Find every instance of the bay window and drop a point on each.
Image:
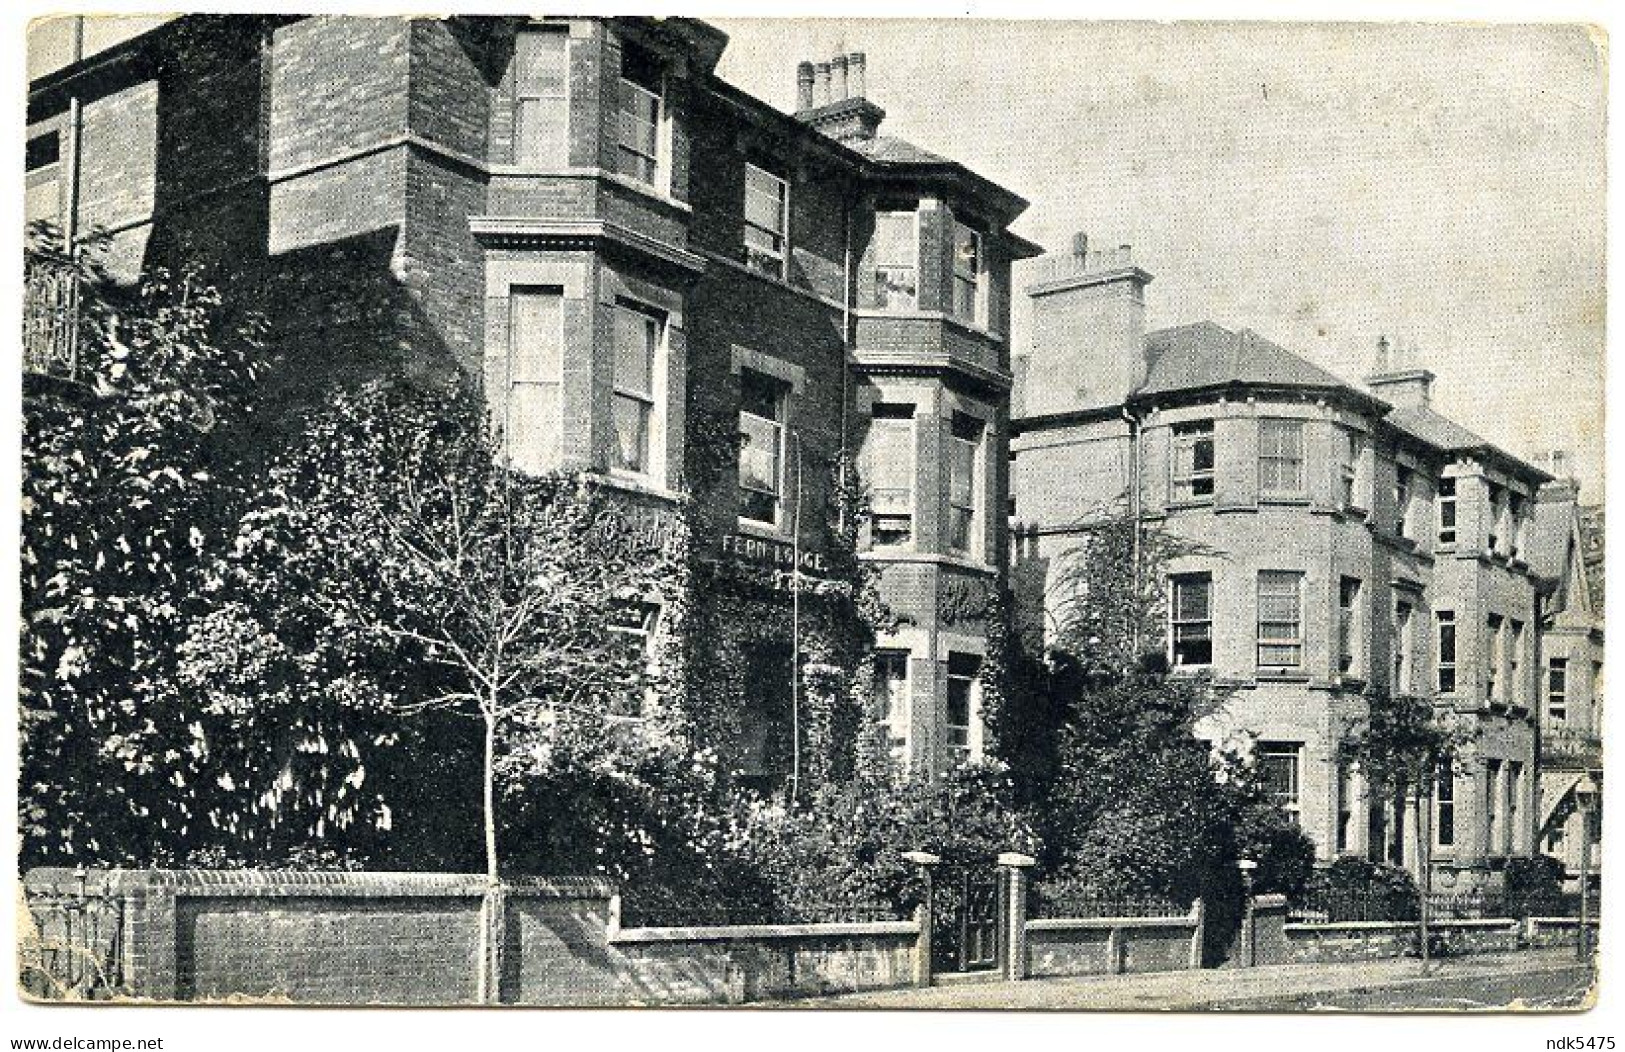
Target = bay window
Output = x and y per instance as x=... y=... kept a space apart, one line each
x=1191 y=620
x=1280 y=619
x=891 y=699
x=1280 y=457
x=1445 y=621
x=533 y=421
x=889 y=462
x=897 y=260
x=964 y=672
x=767 y=214
x=541 y=97
x=1279 y=766
x=1447 y=511
x=968 y=273
x=1193 y=461
x=637 y=152
x=638 y=336
x=964 y=457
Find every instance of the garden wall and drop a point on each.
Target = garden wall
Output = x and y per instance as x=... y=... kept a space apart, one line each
x=1059 y=946
x=1367 y=940
x=415 y=938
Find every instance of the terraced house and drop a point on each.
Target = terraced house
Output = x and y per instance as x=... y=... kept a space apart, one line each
x=657 y=279
x=1337 y=539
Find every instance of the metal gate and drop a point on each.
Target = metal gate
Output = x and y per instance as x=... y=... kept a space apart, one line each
x=965 y=919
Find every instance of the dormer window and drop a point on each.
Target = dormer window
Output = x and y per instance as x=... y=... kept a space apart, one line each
x=641 y=113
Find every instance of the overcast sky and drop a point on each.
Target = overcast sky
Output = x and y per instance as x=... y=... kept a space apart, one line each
x=1323 y=185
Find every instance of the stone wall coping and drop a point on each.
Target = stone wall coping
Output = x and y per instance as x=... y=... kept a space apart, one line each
x=1565 y=922
x=1268 y=902
x=745 y=932
x=254 y=883
x=1453 y=922
x=1106 y=923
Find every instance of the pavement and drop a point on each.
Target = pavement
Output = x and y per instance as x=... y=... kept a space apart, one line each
x=1550 y=980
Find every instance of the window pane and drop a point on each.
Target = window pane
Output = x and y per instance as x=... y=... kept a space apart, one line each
x=758 y=454
x=891 y=466
x=631 y=433
x=759 y=395
x=541 y=98
x=533 y=426
x=636 y=338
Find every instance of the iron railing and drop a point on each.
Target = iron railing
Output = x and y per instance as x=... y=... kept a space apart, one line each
x=709 y=914
x=1339 y=907
x=74 y=949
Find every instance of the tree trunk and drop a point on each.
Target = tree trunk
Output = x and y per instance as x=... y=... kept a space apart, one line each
x=489 y=788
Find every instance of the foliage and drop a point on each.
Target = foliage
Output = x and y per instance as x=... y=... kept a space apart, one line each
x=129 y=484
x=846 y=846
x=400 y=566
x=1402 y=745
x=1534 y=877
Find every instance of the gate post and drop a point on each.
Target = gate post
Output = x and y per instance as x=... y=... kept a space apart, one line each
x=923 y=916
x=1013 y=933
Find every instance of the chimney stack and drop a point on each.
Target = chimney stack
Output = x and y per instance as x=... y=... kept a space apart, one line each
x=804 y=86
x=1396 y=380
x=830 y=96
x=1087 y=347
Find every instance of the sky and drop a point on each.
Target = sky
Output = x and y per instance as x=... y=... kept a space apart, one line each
x=1323 y=185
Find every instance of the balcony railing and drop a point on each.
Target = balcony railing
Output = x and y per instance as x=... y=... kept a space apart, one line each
x=51 y=302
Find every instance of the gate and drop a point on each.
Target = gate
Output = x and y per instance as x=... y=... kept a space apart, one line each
x=965 y=914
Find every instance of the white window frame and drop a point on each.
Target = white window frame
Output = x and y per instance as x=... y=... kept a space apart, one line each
x=896 y=716
x=904 y=437
x=529 y=152
x=970 y=747
x=656 y=161
x=1404 y=645
x=1350 y=626
x=780 y=426
x=1557 y=689
x=1202 y=627
x=1269 y=634
x=1278 y=456
x=1289 y=799
x=884 y=300
x=1446 y=502
x=1404 y=480
x=972 y=512
x=1349 y=469
x=649 y=401
x=1443 y=619
x=977 y=277
x=1444 y=803
x=778 y=258
x=1185 y=477
x=644 y=634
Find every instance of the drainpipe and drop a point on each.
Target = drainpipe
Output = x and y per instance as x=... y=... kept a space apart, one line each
x=1134 y=457
x=70 y=222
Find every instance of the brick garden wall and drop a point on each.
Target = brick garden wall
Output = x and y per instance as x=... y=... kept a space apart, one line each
x=1113 y=945
x=414 y=938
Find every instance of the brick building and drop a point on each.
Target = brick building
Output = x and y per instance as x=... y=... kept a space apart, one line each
x=1341 y=539
x=659 y=280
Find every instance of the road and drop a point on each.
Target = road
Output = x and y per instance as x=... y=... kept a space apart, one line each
x=1537 y=979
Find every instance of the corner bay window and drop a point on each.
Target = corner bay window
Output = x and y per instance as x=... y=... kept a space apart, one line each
x=761 y=447
x=532 y=418
x=1495 y=647
x=1280 y=457
x=964 y=453
x=1349 y=468
x=1280 y=619
x=1445 y=620
x=968 y=265
x=1404 y=615
x=637 y=152
x=1191 y=620
x=1193 y=461
x=891 y=699
x=767 y=202
x=963 y=670
x=897 y=260
x=889 y=461
x=1278 y=767
x=541 y=97
x=638 y=335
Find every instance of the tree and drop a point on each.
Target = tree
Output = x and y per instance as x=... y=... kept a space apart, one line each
x=1136 y=804
x=130 y=479
x=396 y=525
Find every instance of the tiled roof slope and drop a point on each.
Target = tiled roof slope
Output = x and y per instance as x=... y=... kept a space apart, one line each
x=1206 y=354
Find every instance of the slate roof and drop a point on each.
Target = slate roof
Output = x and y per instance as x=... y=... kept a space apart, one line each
x=889 y=150
x=1206 y=354
x=1420 y=422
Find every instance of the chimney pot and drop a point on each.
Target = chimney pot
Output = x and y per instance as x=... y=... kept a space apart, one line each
x=1080 y=247
x=837 y=78
x=804 y=86
x=855 y=64
x=821 y=84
